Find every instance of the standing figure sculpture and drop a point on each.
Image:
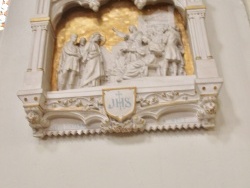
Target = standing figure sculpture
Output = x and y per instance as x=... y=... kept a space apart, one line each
x=82 y=49
x=83 y=53
x=173 y=53
x=94 y=69
x=69 y=64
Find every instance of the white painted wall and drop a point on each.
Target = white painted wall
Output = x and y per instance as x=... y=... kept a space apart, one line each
x=247 y=4
x=219 y=158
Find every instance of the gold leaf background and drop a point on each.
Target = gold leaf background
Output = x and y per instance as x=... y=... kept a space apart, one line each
x=119 y=14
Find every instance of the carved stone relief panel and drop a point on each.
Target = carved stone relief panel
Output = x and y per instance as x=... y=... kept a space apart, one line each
x=119 y=66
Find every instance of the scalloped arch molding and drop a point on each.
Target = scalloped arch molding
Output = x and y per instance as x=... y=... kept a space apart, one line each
x=60 y=6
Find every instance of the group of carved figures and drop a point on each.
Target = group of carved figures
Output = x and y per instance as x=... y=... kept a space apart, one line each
x=159 y=48
x=83 y=60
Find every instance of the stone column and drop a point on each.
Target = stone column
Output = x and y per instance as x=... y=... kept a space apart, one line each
x=43 y=7
x=44 y=29
x=198 y=35
x=195 y=14
x=40 y=31
x=208 y=82
x=204 y=62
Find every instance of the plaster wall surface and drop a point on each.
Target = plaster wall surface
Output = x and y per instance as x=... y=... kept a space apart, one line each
x=247 y=4
x=217 y=158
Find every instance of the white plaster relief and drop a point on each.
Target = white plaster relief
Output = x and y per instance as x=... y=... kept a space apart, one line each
x=164 y=100
x=154 y=49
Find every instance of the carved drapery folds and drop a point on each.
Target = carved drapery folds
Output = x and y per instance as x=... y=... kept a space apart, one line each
x=154 y=48
x=164 y=100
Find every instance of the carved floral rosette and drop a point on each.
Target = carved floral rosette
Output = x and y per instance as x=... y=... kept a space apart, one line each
x=169 y=103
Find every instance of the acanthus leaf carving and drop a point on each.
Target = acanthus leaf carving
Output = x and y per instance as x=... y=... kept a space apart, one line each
x=208 y=107
x=35 y=117
x=156 y=98
x=87 y=104
x=133 y=124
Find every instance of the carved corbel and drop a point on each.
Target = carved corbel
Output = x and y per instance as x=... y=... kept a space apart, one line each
x=34 y=107
x=207 y=111
x=35 y=117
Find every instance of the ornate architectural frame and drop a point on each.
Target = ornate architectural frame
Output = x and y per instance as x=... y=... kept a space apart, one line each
x=186 y=102
x=4 y=5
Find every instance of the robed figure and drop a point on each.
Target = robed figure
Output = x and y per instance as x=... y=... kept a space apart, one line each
x=69 y=64
x=94 y=69
x=174 y=52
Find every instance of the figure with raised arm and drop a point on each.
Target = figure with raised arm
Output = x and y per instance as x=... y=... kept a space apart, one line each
x=131 y=51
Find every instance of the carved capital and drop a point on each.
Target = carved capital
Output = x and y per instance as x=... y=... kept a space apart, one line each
x=196 y=15
x=34 y=27
x=40 y=25
x=44 y=27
